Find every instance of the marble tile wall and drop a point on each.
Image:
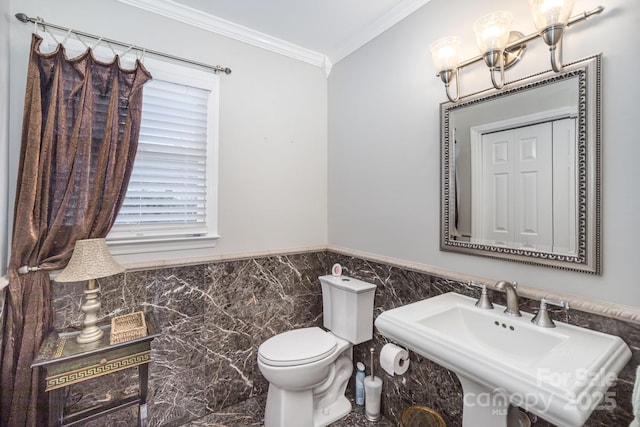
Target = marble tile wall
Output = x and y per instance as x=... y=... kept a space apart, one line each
x=214 y=317
x=427 y=383
x=3 y=292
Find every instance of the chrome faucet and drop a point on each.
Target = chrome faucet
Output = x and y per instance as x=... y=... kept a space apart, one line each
x=542 y=318
x=512 y=297
x=483 y=302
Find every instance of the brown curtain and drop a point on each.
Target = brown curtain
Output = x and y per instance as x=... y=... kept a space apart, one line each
x=79 y=137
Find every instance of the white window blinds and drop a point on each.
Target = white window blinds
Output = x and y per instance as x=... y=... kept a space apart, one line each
x=172 y=191
x=167 y=192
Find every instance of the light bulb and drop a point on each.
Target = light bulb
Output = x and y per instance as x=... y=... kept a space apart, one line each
x=547 y=13
x=492 y=31
x=444 y=53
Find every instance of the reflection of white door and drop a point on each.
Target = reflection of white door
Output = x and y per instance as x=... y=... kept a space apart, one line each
x=524 y=183
x=564 y=186
x=517 y=187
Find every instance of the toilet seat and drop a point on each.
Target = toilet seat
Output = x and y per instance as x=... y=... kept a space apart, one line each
x=297 y=347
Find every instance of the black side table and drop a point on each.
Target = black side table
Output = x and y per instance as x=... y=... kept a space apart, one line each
x=65 y=362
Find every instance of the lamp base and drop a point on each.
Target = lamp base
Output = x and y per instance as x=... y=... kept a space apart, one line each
x=90 y=332
x=89 y=336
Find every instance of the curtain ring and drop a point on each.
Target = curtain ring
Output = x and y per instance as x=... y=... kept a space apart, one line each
x=37 y=21
x=67 y=36
x=81 y=41
x=26 y=269
x=97 y=43
x=112 y=50
x=50 y=33
x=127 y=51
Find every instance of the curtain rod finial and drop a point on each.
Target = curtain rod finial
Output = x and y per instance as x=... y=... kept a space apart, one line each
x=22 y=17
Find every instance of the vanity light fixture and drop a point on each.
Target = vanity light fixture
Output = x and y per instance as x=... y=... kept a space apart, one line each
x=492 y=36
x=501 y=48
x=550 y=18
x=444 y=53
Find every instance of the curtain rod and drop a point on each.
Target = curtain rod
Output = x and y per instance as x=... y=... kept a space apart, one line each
x=22 y=17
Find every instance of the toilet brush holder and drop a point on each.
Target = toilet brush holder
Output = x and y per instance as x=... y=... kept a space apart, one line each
x=372 y=395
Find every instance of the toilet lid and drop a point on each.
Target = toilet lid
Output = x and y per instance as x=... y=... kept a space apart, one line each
x=297 y=347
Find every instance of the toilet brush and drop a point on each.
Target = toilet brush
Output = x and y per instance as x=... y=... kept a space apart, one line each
x=371 y=350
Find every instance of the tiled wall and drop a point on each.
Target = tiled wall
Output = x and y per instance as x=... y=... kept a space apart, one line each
x=2 y=298
x=214 y=316
x=429 y=384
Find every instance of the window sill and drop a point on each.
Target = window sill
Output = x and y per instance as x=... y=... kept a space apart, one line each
x=161 y=251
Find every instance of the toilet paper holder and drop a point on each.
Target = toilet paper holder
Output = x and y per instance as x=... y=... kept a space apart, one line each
x=394 y=360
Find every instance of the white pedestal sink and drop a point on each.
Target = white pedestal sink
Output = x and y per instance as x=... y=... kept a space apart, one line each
x=560 y=374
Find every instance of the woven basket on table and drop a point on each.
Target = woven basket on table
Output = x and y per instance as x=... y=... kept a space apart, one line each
x=128 y=327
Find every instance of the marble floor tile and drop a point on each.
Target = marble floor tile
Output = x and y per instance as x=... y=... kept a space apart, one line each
x=251 y=413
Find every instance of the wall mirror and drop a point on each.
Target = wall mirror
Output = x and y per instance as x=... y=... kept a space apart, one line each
x=520 y=171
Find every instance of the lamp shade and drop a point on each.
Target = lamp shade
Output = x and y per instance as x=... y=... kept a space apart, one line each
x=492 y=31
x=547 y=13
x=90 y=260
x=444 y=53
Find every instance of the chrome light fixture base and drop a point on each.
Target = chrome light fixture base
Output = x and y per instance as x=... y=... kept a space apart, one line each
x=446 y=76
x=552 y=36
x=514 y=54
x=492 y=58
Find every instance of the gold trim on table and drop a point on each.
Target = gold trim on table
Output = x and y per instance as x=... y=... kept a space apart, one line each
x=94 y=371
x=60 y=347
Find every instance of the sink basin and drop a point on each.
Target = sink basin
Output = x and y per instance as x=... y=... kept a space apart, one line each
x=561 y=374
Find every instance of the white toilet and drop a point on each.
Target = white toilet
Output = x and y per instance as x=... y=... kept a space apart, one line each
x=308 y=368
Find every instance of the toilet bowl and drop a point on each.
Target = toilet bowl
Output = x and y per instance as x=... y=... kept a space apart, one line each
x=306 y=384
x=299 y=359
x=308 y=368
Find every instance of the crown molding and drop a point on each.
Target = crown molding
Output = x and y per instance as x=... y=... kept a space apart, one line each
x=379 y=26
x=172 y=10
x=197 y=18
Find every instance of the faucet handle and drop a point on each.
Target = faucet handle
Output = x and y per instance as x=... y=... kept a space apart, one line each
x=559 y=303
x=542 y=318
x=483 y=302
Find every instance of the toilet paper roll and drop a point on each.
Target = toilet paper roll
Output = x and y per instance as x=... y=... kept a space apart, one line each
x=394 y=359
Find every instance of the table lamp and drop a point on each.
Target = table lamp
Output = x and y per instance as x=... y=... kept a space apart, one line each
x=90 y=260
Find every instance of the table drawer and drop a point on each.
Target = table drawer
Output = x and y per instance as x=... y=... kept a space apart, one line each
x=73 y=370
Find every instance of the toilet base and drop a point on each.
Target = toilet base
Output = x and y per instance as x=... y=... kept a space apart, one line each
x=333 y=412
x=288 y=408
x=295 y=409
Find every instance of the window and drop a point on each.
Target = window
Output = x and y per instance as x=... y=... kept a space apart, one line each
x=172 y=194
x=171 y=201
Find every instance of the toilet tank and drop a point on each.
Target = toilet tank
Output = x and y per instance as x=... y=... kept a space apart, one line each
x=347 y=304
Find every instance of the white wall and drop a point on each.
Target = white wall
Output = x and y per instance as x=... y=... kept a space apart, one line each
x=383 y=136
x=273 y=121
x=4 y=130
x=384 y=148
